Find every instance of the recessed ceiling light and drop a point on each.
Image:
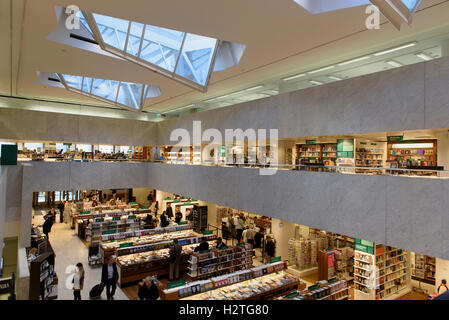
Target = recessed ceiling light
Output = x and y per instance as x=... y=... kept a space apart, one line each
x=180 y=108
x=319 y=70
x=353 y=60
x=315 y=82
x=253 y=88
x=294 y=77
x=334 y=78
x=408 y=45
x=424 y=56
x=394 y=63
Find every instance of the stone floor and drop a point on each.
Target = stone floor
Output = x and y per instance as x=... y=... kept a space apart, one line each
x=70 y=250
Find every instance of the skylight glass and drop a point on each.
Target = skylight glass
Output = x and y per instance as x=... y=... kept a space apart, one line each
x=161 y=47
x=186 y=57
x=196 y=57
x=410 y=4
x=127 y=94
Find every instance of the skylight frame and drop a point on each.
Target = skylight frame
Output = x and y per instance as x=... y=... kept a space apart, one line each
x=88 y=16
x=143 y=94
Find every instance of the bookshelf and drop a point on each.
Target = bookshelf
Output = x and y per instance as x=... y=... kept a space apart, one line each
x=412 y=154
x=370 y=155
x=381 y=272
x=43 y=278
x=220 y=261
x=313 y=153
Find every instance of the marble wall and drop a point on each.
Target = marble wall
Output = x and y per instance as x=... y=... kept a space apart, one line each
x=406 y=98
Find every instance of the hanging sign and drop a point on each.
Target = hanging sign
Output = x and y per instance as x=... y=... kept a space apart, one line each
x=395 y=138
x=310 y=141
x=275 y=259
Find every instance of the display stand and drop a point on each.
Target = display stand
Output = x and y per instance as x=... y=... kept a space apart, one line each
x=259 y=283
x=334 y=289
x=136 y=262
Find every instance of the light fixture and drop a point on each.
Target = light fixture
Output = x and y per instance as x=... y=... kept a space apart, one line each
x=180 y=108
x=353 y=60
x=394 y=63
x=315 y=82
x=408 y=45
x=334 y=78
x=424 y=56
x=294 y=77
x=322 y=69
x=253 y=88
x=412 y=146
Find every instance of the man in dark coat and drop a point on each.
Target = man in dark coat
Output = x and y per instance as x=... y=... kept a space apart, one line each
x=109 y=277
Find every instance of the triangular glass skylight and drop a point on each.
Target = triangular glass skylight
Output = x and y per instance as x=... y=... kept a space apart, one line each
x=128 y=95
x=185 y=57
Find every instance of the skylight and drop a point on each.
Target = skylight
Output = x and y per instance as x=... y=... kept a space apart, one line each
x=128 y=95
x=410 y=4
x=185 y=57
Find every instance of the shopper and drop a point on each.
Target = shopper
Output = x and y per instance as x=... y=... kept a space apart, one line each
x=239 y=228
x=52 y=214
x=442 y=287
x=175 y=259
x=67 y=212
x=203 y=246
x=270 y=249
x=164 y=220
x=109 y=277
x=250 y=234
x=78 y=281
x=169 y=211
x=156 y=209
x=61 y=206
x=148 y=289
x=150 y=198
x=220 y=244
x=46 y=227
x=178 y=215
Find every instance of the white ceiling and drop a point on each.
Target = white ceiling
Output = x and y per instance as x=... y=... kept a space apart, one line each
x=281 y=37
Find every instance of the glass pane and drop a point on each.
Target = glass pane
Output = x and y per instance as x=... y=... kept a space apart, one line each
x=161 y=47
x=87 y=84
x=41 y=197
x=410 y=4
x=83 y=22
x=73 y=81
x=196 y=57
x=129 y=94
x=105 y=88
x=135 y=34
x=113 y=30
